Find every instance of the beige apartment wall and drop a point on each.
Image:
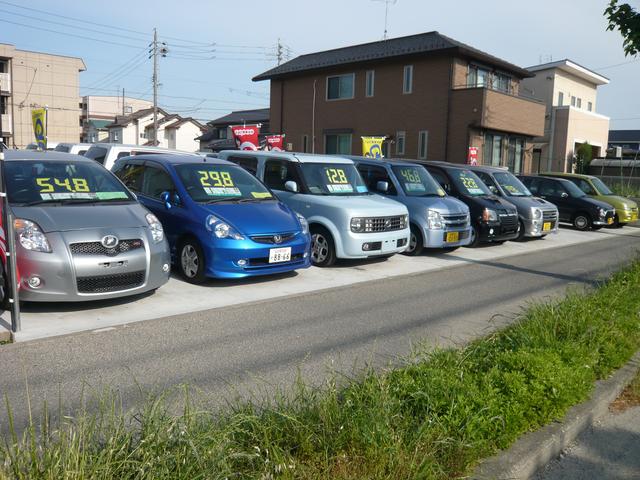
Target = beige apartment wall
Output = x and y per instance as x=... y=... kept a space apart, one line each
x=573 y=86
x=102 y=106
x=40 y=80
x=574 y=126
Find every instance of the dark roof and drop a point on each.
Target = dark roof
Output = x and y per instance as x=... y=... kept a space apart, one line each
x=624 y=136
x=423 y=43
x=182 y=121
x=124 y=120
x=242 y=116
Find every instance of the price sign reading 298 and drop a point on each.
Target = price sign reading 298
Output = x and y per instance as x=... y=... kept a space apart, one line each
x=50 y=184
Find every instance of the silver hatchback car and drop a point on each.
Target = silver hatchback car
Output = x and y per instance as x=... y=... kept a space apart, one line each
x=80 y=234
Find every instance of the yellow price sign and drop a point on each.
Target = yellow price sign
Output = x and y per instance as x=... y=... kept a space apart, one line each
x=411 y=175
x=51 y=184
x=337 y=176
x=212 y=178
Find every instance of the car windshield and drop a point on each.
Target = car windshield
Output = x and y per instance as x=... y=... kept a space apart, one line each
x=573 y=189
x=211 y=183
x=333 y=179
x=417 y=182
x=32 y=182
x=468 y=182
x=601 y=187
x=511 y=185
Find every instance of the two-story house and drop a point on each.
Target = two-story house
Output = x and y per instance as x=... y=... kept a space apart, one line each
x=218 y=137
x=432 y=96
x=569 y=92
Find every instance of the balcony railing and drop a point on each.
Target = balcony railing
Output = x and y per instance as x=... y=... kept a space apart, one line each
x=5 y=82
x=6 y=123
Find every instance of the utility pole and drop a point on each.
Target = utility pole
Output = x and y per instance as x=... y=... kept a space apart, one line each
x=386 y=14
x=155 y=87
x=279 y=52
x=123 y=102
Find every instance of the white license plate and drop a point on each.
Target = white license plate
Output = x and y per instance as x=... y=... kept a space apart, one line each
x=277 y=255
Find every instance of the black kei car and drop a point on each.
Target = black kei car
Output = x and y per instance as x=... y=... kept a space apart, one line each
x=574 y=206
x=493 y=219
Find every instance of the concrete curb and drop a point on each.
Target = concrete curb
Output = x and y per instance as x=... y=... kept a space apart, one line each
x=534 y=450
x=5 y=335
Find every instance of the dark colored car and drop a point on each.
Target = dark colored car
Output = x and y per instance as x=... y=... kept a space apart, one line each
x=493 y=219
x=574 y=206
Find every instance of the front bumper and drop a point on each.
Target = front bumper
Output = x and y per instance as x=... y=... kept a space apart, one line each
x=441 y=238
x=627 y=216
x=364 y=245
x=539 y=227
x=225 y=257
x=76 y=277
x=608 y=219
x=497 y=232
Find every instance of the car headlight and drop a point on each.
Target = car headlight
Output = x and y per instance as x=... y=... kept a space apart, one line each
x=435 y=220
x=157 y=233
x=221 y=229
x=537 y=213
x=303 y=223
x=404 y=221
x=31 y=236
x=489 y=215
x=357 y=224
x=602 y=212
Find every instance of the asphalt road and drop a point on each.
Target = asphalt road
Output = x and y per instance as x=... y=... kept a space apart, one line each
x=255 y=347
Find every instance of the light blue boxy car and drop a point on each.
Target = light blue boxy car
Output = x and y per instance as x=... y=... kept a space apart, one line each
x=345 y=219
x=437 y=220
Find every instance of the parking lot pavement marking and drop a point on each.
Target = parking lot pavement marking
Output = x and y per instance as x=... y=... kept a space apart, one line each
x=178 y=297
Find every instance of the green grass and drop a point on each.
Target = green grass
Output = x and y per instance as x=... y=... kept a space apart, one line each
x=434 y=417
x=625 y=190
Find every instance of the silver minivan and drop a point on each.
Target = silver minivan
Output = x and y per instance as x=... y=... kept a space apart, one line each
x=75 y=148
x=108 y=153
x=345 y=219
x=80 y=234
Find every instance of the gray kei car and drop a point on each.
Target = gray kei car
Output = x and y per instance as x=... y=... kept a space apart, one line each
x=80 y=234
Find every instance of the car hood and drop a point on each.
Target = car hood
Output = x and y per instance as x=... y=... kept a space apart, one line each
x=256 y=218
x=528 y=202
x=64 y=218
x=493 y=201
x=617 y=201
x=443 y=205
x=360 y=205
x=597 y=203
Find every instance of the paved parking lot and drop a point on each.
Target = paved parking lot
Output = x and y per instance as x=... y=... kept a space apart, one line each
x=178 y=297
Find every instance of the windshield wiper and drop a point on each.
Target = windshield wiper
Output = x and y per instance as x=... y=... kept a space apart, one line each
x=218 y=200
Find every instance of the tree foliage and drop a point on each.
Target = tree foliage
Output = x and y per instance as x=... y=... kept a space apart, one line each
x=627 y=20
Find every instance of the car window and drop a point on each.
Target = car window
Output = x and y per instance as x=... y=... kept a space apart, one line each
x=440 y=177
x=372 y=174
x=96 y=153
x=155 y=181
x=278 y=172
x=550 y=188
x=583 y=185
x=510 y=184
x=531 y=183
x=250 y=164
x=131 y=176
x=82 y=152
x=486 y=178
x=123 y=154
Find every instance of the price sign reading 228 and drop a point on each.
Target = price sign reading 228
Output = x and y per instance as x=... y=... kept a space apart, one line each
x=49 y=184
x=215 y=179
x=336 y=175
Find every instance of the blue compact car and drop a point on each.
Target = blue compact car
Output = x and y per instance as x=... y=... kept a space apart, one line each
x=219 y=219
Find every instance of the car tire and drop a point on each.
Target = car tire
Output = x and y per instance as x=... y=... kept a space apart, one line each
x=475 y=237
x=416 y=242
x=191 y=261
x=521 y=232
x=323 y=248
x=582 y=221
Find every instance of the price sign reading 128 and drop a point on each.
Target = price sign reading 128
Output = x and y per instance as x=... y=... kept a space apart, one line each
x=336 y=175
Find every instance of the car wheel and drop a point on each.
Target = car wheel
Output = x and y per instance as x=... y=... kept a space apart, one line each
x=323 y=250
x=582 y=221
x=475 y=237
x=521 y=232
x=416 y=242
x=191 y=261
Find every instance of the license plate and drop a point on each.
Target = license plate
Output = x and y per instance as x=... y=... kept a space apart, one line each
x=453 y=237
x=546 y=226
x=609 y=221
x=634 y=217
x=277 y=255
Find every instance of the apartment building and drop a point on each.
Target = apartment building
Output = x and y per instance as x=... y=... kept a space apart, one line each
x=569 y=92
x=98 y=111
x=432 y=96
x=31 y=80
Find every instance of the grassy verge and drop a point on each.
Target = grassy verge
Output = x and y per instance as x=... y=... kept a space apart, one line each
x=434 y=417
x=625 y=190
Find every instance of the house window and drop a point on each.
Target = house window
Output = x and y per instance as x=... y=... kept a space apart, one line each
x=423 y=137
x=128 y=109
x=305 y=143
x=115 y=136
x=493 y=150
x=516 y=153
x=573 y=101
x=407 y=83
x=500 y=82
x=340 y=87
x=222 y=133
x=370 y=81
x=579 y=103
x=400 y=140
x=590 y=106
x=477 y=77
x=560 y=99
x=338 y=144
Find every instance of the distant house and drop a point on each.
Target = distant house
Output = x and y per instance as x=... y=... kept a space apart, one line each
x=98 y=111
x=628 y=140
x=217 y=137
x=174 y=131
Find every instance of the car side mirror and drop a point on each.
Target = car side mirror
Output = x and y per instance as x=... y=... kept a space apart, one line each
x=564 y=195
x=291 y=186
x=382 y=186
x=166 y=198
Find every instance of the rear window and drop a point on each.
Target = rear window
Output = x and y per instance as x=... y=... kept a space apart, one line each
x=62 y=148
x=97 y=153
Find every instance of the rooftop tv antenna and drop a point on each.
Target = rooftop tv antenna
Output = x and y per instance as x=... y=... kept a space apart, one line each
x=386 y=14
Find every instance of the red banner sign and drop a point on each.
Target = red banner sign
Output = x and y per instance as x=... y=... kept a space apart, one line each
x=275 y=142
x=246 y=137
x=472 y=156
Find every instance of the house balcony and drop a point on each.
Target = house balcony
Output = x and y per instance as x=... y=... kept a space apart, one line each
x=485 y=108
x=5 y=83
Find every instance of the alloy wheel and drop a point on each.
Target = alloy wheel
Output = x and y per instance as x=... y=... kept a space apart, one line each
x=189 y=260
x=319 y=248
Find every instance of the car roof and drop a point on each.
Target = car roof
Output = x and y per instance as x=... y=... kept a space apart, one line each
x=180 y=158
x=136 y=147
x=43 y=155
x=566 y=175
x=546 y=177
x=439 y=163
x=71 y=144
x=487 y=168
x=390 y=161
x=293 y=156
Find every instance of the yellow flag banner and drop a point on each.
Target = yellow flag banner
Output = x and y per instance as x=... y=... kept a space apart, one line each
x=372 y=146
x=39 y=119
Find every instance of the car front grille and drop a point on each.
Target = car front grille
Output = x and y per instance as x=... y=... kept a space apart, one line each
x=384 y=224
x=455 y=220
x=96 y=248
x=271 y=239
x=508 y=219
x=549 y=215
x=110 y=283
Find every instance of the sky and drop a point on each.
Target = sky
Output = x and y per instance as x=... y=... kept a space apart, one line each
x=215 y=47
